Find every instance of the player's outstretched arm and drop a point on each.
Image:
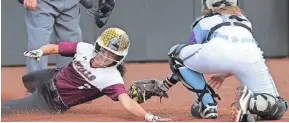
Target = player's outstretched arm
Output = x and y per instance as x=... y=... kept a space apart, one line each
x=64 y=48
x=134 y=108
x=50 y=49
x=44 y=50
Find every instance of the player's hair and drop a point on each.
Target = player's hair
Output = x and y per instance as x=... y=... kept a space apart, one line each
x=231 y=9
x=121 y=68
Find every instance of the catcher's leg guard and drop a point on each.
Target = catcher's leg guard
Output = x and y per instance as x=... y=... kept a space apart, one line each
x=206 y=105
x=265 y=106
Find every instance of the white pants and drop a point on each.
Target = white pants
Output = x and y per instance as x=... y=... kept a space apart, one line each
x=244 y=60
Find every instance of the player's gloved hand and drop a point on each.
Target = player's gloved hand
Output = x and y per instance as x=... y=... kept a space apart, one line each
x=35 y=54
x=151 y=118
x=142 y=90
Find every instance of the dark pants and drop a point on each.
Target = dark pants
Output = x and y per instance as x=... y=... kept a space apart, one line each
x=44 y=95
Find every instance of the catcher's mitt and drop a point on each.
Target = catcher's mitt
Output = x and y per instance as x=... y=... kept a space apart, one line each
x=142 y=90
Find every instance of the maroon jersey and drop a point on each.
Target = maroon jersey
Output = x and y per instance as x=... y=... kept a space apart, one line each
x=79 y=82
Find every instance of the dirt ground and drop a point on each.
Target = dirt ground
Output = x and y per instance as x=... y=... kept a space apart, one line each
x=177 y=106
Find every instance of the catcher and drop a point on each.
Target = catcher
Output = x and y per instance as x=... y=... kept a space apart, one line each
x=221 y=43
x=94 y=71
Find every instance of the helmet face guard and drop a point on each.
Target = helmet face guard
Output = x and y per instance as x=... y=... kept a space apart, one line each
x=101 y=11
x=106 y=58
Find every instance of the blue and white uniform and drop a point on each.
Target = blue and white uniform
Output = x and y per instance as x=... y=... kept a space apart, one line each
x=231 y=49
x=224 y=43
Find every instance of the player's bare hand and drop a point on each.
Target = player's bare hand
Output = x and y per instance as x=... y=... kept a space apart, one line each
x=217 y=80
x=30 y=4
x=35 y=54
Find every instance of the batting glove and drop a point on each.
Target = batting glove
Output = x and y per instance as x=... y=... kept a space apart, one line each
x=35 y=54
x=151 y=118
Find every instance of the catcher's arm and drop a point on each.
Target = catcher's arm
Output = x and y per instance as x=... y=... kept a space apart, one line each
x=134 y=108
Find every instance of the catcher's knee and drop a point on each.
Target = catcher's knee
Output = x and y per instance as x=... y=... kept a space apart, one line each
x=175 y=63
x=267 y=106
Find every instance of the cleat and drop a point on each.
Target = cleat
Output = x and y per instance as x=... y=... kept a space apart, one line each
x=240 y=107
x=208 y=112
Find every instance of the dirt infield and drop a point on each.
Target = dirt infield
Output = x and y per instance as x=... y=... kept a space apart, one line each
x=177 y=106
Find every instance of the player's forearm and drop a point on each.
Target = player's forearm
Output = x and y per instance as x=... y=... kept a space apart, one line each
x=50 y=49
x=136 y=109
x=132 y=106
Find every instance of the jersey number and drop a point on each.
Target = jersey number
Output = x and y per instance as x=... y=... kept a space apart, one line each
x=84 y=86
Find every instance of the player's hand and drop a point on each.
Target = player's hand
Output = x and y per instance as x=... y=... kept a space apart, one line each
x=35 y=54
x=217 y=80
x=151 y=118
x=161 y=119
x=30 y=4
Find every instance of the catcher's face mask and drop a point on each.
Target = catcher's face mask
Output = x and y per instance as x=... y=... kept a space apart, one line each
x=101 y=11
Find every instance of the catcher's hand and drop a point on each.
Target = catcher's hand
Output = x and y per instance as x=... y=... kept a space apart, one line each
x=142 y=90
x=35 y=54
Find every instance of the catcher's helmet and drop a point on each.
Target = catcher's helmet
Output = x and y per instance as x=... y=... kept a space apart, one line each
x=116 y=41
x=217 y=4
